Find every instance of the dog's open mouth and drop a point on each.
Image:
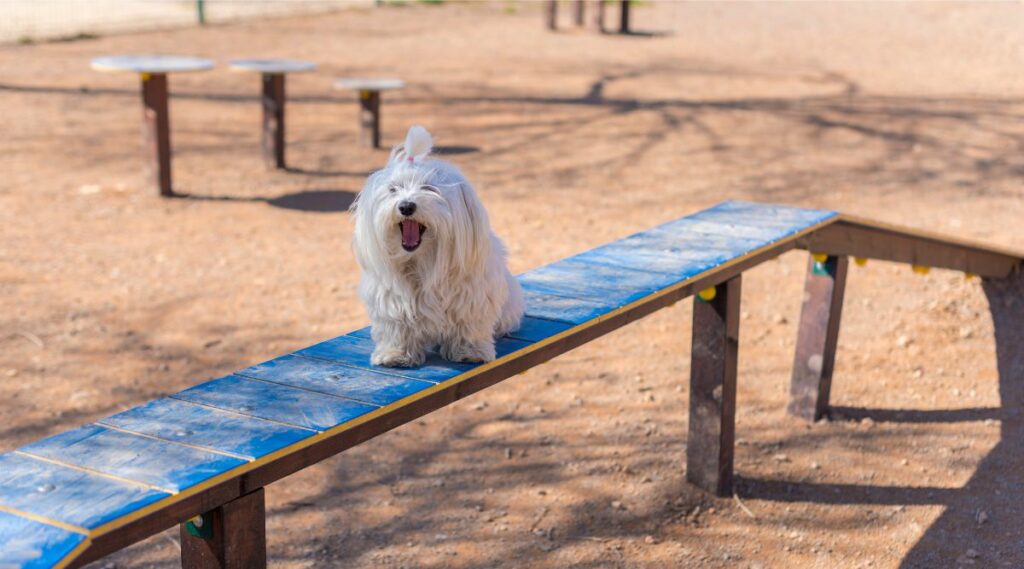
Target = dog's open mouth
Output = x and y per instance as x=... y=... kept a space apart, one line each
x=412 y=234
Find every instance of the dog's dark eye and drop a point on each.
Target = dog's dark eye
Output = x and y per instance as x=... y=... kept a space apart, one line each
x=393 y=189
x=430 y=189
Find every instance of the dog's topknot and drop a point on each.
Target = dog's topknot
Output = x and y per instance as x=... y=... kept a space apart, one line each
x=418 y=143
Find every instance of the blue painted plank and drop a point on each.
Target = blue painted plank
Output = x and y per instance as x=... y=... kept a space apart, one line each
x=537 y=329
x=765 y=214
x=565 y=309
x=344 y=381
x=276 y=402
x=355 y=349
x=163 y=465
x=68 y=495
x=179 y=421
x=603 y=284
x=28 y=544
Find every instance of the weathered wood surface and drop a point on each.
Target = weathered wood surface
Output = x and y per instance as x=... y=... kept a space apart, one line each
x=238 y=537
x=857 y=237
x=817 y=337
x=713 y=365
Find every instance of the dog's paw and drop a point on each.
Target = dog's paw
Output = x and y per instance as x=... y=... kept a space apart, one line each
x=459 y=351
x=393 y=357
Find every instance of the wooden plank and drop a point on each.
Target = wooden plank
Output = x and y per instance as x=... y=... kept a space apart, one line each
x=563 y=308
x=354 y=350
x=67 y=495
x=536 y=329
x=817 y=337
x=709 y=448
x=32 y=545
x=343 y=381
x=602 y=284
x=275 y=402
x=859 y=238
x=195 y=425
x=237 y=539
x=165 y=466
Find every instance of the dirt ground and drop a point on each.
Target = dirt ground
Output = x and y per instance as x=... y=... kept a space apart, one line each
x=907 y=113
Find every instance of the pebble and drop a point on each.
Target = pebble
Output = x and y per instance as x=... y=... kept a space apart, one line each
x=903 y=341
x=815 y=466
x=617 y=505
x=965 y=333
x=649 y=540
x=982 y=517
x=972 y=554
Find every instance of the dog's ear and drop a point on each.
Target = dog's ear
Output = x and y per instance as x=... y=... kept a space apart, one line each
x=473 y=230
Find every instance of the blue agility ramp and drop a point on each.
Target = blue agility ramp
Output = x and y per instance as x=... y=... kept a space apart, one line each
x=201 y=457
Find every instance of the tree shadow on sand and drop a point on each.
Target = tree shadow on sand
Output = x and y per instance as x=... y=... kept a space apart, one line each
x=997 y=486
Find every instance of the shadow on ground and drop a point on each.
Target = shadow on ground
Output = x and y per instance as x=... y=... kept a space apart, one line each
x=319 y=201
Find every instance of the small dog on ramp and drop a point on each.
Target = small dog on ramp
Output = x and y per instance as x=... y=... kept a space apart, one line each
x=434 y=272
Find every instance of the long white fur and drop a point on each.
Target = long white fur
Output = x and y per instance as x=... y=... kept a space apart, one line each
x=454 y=291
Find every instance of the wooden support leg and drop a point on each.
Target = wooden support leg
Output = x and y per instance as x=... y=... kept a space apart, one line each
x=709 y=449
x=552 y=15
x=816 y=339
x=580 y=13
x=156 y=131
x=232 y=536
x=273 y=120
x=624 y=17
x=599 y=16
x=369 y=118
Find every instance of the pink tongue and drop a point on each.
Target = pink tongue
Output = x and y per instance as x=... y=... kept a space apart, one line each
x=410 y=233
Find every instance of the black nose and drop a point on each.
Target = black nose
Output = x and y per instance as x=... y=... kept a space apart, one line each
x=407 y=208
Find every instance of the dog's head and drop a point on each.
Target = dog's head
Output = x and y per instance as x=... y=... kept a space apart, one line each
x=421 y=209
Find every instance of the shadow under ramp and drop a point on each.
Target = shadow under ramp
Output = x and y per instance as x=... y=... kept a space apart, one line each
x=997 y=486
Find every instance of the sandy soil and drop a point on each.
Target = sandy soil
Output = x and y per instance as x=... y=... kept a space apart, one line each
x=908 y=113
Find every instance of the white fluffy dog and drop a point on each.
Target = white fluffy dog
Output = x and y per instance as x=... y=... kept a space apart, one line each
x=434 y=272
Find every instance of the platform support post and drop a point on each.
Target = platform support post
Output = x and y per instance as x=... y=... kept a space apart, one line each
x=709 y=448
x=273 y=120
x=232 y=536
x=817 y=337
x=551 y=14
x=624 y=17
x=156 y=132
x=369 y=118
x=579 y=14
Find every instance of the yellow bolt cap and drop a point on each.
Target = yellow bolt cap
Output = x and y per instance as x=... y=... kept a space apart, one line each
x=708 y=294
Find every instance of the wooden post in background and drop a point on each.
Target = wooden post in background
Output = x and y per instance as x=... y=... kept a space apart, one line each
x=235 y=537
x=580 y=13
x=709 y=447
x=156 y=132
x=817 y=337
x=369 y=118
x=273 y=120
x=624 y=17
x=599 y=16
x=552 y=15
